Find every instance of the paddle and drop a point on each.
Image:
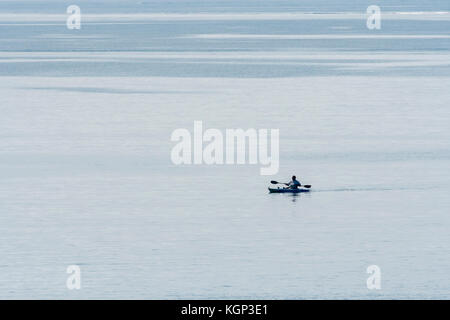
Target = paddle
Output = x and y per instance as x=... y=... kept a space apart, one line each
x=276 y=182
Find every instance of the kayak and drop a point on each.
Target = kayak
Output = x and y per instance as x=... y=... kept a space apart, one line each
x=286 y=190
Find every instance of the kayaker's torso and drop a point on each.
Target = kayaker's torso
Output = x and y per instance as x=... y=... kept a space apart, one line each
x=294 y=184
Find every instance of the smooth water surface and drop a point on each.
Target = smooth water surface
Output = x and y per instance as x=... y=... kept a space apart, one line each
x=87 y=179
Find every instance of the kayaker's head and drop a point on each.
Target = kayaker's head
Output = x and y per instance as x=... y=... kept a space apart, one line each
x=294 y=178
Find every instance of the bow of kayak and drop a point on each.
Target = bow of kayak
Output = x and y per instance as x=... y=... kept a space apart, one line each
x=286 y=190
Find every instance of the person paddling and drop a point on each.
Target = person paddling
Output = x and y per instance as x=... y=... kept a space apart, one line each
x=294 y=184
x=292 y=187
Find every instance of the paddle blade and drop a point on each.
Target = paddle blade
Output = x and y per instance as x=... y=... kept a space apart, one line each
x=274 y=182
x=307 y=186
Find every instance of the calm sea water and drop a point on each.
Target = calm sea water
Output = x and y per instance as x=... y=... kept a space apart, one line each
x=86 y=175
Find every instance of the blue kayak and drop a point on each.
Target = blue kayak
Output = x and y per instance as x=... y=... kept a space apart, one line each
x=287 y=190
